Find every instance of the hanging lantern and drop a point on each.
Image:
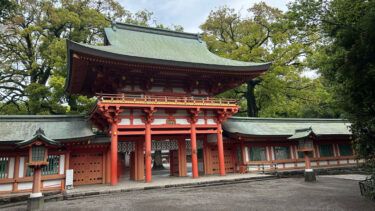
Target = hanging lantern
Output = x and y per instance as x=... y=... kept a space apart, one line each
x=305 y=144
x=38 y=154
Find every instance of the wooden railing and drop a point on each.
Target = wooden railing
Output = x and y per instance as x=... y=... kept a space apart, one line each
x=166 y=100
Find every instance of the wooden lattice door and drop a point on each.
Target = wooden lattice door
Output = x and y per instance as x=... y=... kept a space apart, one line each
x=228 y=160
x=87 y=167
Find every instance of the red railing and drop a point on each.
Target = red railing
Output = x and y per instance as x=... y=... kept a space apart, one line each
x=152 y=99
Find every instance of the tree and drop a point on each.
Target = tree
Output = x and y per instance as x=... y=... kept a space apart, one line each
x=346 y=58
x=6 y=9
x=265 y=36
x=33 y=51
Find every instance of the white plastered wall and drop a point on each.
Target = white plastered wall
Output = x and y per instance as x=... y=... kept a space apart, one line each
x=21 y=167
x=51 y=183
x=6 y=187
x=11 y=167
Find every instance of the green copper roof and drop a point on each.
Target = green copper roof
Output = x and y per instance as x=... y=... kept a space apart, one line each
x=151 y=45
x=248 y=126
x=301 y=133
x=14 y=128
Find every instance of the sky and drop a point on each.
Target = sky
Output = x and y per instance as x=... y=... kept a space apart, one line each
x=190 y=14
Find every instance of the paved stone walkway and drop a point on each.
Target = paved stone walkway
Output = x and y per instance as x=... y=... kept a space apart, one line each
x=276 y=194
x=158 y=181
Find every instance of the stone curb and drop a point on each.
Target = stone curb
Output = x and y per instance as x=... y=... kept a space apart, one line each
x=23 y=198
x=48 y=198
x=321 y=171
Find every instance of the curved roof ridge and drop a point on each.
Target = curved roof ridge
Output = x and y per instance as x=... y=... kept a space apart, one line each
x=153 y=30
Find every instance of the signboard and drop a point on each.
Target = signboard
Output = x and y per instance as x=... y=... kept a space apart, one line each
x=69 y=179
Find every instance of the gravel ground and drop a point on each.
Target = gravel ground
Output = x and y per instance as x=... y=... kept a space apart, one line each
x=278 y=194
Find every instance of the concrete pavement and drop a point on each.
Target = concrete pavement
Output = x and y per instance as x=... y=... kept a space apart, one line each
x=278 y=194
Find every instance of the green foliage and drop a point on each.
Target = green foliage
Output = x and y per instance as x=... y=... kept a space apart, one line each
x=7 y=7
x=346 y=58
x=33 y=50
x=265 y=35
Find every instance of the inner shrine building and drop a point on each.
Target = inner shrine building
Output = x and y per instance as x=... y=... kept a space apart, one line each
x=154 y=85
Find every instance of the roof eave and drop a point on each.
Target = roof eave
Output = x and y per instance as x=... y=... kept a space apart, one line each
x=69 y=54
x=281 y=135
x=40 y=137
x=58 y=140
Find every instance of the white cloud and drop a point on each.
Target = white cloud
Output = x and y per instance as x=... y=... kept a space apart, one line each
x=191 y=13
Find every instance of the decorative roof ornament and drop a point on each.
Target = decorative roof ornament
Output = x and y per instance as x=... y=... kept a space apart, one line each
x=199 y=37
x=39 y=135
x=113 y=23
x=39 y=132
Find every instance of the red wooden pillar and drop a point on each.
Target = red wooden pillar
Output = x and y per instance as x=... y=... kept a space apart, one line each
x=220 y=149
x=193 y=142
x=139 y=160
x=114 y=154
x=182 y=170
x=148 y=152
x=36 y=182
x=307 y=160
x=67 y=157
x=243 y=158
x=16 y=173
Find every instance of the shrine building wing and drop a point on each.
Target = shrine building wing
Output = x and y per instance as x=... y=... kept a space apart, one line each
x=134 y=52
x=265 y=128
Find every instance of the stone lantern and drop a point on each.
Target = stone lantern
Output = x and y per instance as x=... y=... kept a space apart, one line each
x=38 y=147
x=305 y=139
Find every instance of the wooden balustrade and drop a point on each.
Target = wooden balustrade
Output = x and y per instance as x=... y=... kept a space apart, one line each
x=156 y=99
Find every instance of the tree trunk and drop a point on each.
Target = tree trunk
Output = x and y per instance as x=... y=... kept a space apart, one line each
x=72 y=102
x=158 y=161
x=252 y=109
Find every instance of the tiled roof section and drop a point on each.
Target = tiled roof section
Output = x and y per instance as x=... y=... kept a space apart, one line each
x=248 y=126
x=157 y=46
x=14 y=128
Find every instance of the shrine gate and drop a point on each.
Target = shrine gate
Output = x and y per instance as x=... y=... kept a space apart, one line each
x=155 y=84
